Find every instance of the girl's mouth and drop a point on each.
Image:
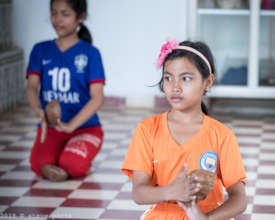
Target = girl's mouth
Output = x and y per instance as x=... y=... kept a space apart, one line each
x=176 y=99
x=58 y=28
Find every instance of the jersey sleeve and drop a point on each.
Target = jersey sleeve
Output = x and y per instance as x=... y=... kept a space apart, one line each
x=140 y=155
x=96 y=68
x=34 y=66
x=231 y=165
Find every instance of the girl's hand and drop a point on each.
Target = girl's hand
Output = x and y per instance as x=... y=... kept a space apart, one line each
x=193 y=212
x=43 y=123
x=182 y=188
x=64 y=127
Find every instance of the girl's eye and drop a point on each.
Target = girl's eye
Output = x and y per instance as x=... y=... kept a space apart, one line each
x=167 y=78
x=186 y=78
x=53 y=13
x=66 y=14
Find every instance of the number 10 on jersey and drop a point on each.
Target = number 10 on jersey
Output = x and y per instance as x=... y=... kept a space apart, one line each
x=60 y=79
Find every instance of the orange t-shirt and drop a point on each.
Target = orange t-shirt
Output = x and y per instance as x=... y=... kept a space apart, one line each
x=154 y=151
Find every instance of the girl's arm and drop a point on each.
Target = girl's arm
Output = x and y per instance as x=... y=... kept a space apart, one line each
x=32 y=93
x=235 y=205
x=91 y=107
x=181 y=189
x=32 y=96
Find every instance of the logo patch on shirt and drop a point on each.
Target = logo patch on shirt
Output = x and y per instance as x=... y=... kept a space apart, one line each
x=80 y=62
x=45 y=62
x=208 y=161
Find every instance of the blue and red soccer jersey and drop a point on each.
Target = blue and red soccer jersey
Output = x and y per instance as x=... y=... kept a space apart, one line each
x=66 y=76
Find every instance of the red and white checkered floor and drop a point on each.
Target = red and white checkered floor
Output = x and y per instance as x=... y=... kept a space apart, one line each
x=106 y=193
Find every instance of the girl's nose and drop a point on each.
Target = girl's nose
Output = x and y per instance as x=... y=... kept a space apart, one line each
x=177 y=87
x=57 y=18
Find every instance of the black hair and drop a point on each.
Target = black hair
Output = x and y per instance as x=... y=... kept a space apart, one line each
x=80 y=7
x=195 y=59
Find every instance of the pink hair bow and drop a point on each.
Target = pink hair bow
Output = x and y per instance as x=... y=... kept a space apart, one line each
x=167 y=48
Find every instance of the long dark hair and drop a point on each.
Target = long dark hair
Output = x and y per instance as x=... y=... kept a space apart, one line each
x=80 y=7
x=195 y=59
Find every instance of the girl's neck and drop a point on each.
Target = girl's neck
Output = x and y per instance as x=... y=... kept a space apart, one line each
x=186 y=117
x=66 y=42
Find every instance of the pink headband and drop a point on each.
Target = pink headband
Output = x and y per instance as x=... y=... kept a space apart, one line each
x=171 y=45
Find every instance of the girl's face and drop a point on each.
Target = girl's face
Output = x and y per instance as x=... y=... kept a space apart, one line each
x=64 y=19
x=183 y=84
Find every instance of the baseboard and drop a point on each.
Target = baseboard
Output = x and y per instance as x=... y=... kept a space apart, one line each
x=114 y=102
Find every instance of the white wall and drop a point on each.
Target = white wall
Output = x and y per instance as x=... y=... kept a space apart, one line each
x=129 y=34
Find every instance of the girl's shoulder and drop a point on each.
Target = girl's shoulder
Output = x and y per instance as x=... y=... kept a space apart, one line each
x=88 y=46
x=44 y=44
x=218 y=126
x=152 y=123
x=152 y=119
x=89 y=49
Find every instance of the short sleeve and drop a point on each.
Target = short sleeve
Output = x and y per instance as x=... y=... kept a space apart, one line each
x=34 y=66
x=139 y=156
x=96 y=73
x=231 y=165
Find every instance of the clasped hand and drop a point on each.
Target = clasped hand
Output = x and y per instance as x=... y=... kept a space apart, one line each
x=61 y=126
x=64 y=127
x=184 y=190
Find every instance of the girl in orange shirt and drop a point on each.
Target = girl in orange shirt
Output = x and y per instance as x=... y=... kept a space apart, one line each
x=167 y=146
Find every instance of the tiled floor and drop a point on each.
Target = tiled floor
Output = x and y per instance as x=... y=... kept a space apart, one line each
x=105 y=192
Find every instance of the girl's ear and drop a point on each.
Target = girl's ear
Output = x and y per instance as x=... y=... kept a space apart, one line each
x=209 y=81
x=82 y=17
